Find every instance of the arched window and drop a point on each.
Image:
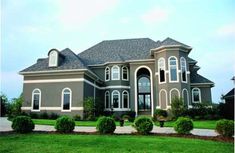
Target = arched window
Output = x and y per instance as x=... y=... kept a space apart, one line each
x=163 y=99
x=36 y=99
x=107 y=99
x=196 y=95
x=115 y=73
x=174 y=93
x=161 y=70
x=66 y=99
x=183 y=69
x=107 y=73
x=53 y=58
x=116 y=99
x=173 y=69
x=125 y=73
x=125 y=99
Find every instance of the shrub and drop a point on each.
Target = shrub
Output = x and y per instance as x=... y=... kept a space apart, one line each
x=183 y=125
x=143 y=125
x=53 y=116
x=131 y=115
x=125 y=117
x=33 y=115
x=22 y=124
x=106 y=125
x=44 y=115
x=177 y=107
x=89 y=108
x=225 y=127
x=14 y=107
x=65 y=124
x=159 y=113
x=77 y=117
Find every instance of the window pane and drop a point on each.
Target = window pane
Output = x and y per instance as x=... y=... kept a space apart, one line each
x=173 y=74
x=162 y=75
x=115 y=101
x=141 y=101
x=196 y=96
x=184 y=75
x=144 y=85
x=147 y=102
x=125 y=101
x=36 y=101
x=107 y=100
x=66 y=101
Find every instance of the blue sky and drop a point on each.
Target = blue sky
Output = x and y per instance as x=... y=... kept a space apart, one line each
x=30 y=28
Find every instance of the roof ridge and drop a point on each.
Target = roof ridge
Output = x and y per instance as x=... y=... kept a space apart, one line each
x=127 y=39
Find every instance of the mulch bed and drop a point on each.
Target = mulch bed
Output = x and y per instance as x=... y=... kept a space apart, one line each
x=189 y=136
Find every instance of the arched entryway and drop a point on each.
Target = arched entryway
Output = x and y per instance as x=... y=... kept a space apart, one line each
x=143 y=91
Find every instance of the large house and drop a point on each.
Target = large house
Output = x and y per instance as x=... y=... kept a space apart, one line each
x=127 y=74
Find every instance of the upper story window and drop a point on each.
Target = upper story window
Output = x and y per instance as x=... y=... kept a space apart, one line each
x=115 y=99
x=107 y=74
x=53 y=58
x=125 y=73
x=66 y=99
x=36 y=99
x=115 y=73
x=196 y=95
x=183 y=69
x=161 y=70
x=173 y=69
x=107 y=99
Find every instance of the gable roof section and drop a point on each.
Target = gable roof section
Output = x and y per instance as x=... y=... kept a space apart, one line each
x=118 y=50
x=70 y=61
x=198 y=79
x=229 y=94
x=171 y=42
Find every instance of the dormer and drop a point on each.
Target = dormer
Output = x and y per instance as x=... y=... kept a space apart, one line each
x=53 y=55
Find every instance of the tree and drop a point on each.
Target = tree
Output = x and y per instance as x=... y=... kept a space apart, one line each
x=3 y=106
x=14 y=107
x=177 y=107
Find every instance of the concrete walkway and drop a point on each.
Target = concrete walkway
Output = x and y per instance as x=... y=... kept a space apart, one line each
x=5 y=125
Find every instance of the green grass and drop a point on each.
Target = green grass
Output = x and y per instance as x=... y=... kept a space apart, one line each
x=197 y=124
x=204 y=124
x=78 y=123
x=61 y=143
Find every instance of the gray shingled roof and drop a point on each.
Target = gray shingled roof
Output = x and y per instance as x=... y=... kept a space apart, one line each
x=118 y=50
x=71 y=61
x=190 y=60
x=197 y=78
x=169 y=41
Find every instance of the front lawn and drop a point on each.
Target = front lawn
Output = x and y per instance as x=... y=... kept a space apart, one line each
x=60 y=143
x=208 y=124
x=204 y=124
x=78 y=123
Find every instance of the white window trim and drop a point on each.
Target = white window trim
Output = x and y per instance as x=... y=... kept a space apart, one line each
x=56 y=60
x=62 y=100
x=187 y=96
x=163 y=90
x=127 y=71
x=39 y=107
x=107 y=68
x=116 y=66
x=177 y=71
x=159 y=76
x=200 y=100
x=118 y=100
x=151 y=80
x=182 y=58
x=106 y=99
x=171 y=97
x=128 y=105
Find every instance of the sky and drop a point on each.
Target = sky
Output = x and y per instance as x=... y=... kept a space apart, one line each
x=30 y=28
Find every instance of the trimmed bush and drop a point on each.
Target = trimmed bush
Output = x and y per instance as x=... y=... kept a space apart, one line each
x=65 y=124
x=183 y=125
x=22 y=124
x=143 y=125
x=33 y=115
x=131 y=115
x=44 y=115
x=77 y=117
x=106 y=125
x=225 y=127
x=159 y=113
x=53 y=116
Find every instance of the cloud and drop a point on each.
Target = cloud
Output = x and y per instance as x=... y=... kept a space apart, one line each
x=76 y=13
x=155 y=16
x=227 y=30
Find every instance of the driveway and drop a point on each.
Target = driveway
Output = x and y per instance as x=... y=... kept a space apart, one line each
x=5 y=125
